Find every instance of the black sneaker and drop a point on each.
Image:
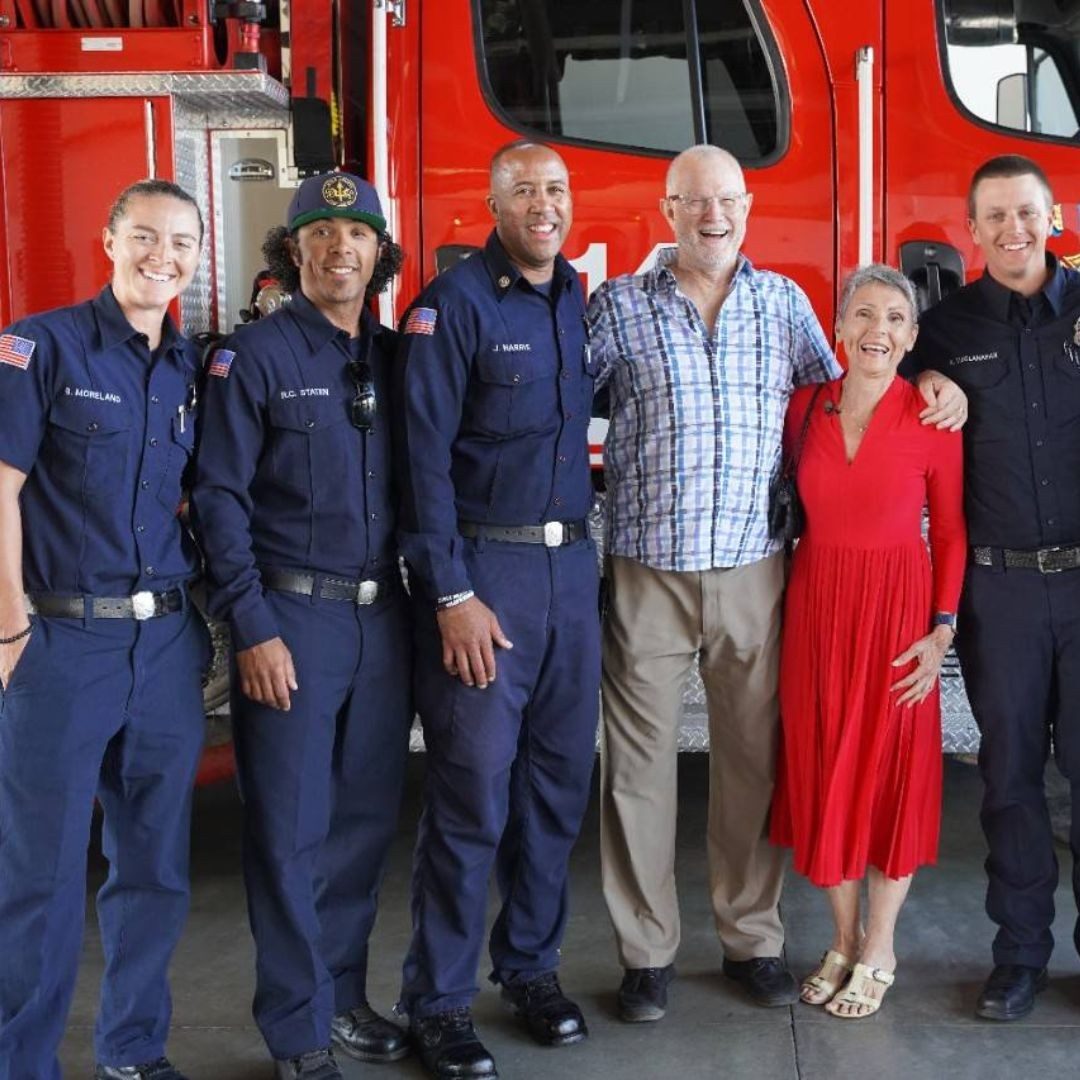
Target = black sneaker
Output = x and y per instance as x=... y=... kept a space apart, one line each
x=643 y=993
x=162 y=1069
x=315 y=1065
x=449 y=1047
x=551 y=1017
x=765 y=978
x=363 y=1034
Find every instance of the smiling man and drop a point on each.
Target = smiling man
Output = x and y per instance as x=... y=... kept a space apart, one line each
x=293 y=504
x=496 y=390
x=1012 y=341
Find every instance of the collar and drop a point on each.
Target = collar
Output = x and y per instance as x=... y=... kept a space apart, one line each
x=317 y=330
x=998 y=297
x=114 y=329
x=505 y=276
x=661 y=278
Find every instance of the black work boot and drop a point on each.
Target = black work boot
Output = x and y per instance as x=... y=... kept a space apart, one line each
x=551 y=1017
x=449 y=1047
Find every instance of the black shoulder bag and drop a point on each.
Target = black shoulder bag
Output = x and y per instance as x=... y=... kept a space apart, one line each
x=786 y=516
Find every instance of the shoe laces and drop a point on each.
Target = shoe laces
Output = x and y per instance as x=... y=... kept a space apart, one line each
x=543 y=987
x=640 y=978
x=314 y=1060
x=455 y=1019
x=160 y=1067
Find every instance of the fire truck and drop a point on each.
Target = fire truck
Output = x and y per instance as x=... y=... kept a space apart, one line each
x=858 y=125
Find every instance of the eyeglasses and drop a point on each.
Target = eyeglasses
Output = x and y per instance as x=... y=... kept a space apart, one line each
x=363 y=408
x=729 y=201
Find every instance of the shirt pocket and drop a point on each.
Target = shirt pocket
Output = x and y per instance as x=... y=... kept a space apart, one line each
x=1064 y=396
x=991 y=397
x=87 y=446
x=181 y=447
x=510 y=395
x=308 y=444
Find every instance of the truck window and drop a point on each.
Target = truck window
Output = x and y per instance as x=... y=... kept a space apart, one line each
x=627 y=74
x=1016 y=63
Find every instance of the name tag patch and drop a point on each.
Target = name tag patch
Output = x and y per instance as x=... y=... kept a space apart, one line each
x=975 y=358
x=93 y=395
x=305 y=391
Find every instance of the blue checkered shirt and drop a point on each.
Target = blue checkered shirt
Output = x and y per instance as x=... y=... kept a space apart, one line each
x=697 y=417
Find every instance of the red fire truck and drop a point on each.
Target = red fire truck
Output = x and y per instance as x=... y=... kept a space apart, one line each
x=858 y=125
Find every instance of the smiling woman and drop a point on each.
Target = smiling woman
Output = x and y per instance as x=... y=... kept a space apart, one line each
x=859 y=781
x=101 y=692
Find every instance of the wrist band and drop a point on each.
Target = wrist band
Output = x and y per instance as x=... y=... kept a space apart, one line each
x=453 y=600
x=18 y=637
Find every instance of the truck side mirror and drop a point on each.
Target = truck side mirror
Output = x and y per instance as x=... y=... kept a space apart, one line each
x=1012 y=97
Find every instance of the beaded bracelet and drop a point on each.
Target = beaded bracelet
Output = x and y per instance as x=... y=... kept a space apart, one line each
x=18 y=637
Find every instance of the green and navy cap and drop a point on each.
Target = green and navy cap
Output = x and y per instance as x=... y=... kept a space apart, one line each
x=335 y=194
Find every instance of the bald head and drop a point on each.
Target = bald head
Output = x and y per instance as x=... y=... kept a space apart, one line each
x=703 y=157
x=531 y=204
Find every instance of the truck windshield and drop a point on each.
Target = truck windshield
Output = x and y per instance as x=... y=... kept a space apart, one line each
x=634 y=73
x=1016 y=63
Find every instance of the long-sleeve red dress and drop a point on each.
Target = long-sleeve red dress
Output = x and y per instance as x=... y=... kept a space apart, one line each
x=859 y=778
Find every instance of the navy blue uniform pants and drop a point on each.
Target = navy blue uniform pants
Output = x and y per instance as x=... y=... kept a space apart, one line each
x=321 y=785
x=111 y=708
x=1019 y=648
x=508 y=774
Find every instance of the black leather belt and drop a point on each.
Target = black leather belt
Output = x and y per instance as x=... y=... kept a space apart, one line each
x=140 y=605
x=1049 y=560
x=550 y=534
x=330 y=588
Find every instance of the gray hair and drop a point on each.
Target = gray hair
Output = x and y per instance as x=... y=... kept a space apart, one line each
x=877 y=274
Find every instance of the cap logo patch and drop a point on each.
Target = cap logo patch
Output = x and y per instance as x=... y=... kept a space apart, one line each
x=339 y=191
x=16 y=351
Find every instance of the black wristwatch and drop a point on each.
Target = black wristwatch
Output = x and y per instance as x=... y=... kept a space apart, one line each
x=944 y=618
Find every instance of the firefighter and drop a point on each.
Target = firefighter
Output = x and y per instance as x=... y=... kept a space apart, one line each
x=292 y=501
x=1011 y=339
x=496 y=388
x=100 y=690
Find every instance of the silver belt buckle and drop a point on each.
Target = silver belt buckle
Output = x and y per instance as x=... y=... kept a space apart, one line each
x=142 y=605
x=367 y=592
x=553 y=533
x=1043 y=568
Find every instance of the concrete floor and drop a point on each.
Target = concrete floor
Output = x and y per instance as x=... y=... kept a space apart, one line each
x=926 y=1029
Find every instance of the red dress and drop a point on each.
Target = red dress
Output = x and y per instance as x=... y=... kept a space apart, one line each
x=859 y=778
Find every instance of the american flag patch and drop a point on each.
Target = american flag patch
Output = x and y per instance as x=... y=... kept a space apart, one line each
x=16 y=351
x=221 y=363
x=421 y=320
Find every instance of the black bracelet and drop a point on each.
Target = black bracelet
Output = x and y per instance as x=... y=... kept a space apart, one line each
x=18 y=637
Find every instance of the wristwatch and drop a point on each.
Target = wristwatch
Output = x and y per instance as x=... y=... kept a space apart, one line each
x=944 y=618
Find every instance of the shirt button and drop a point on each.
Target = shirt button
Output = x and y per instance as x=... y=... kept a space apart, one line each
x=309 y=423
x=371 y=474
x=1044 y=481
x=569 y=416
x=1049 y=521
x=557 y=500
x=140 y=528
x=144 y=484
x=92 y=426
x=154 y=399
x=562 y=459
x=1038 y=442
x=564 y=374
x=562 y=332
x=1031 y=367
x=153 y=442
x=374 y=517
x=150 y=571
x=1034 y=404
x=517 y=378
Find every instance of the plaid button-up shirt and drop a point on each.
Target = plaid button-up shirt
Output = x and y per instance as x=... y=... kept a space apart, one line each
x=697 y=416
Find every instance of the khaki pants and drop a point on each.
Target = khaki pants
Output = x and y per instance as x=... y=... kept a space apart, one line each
x=659 y=624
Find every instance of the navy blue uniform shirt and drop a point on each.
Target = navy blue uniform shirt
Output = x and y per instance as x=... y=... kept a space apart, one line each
x=496 y=387
x=1018 y=361
x=283 y=478
x=104 y=431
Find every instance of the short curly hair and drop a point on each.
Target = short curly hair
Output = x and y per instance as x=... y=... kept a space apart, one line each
x=277 y=251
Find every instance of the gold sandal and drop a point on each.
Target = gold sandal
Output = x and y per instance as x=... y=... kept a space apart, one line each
x=862 y=978
x=818 y=988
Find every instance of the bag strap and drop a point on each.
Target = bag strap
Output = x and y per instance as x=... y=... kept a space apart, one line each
x=792 y=462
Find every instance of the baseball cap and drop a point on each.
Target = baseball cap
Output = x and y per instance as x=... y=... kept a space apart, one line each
x=335 y=194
